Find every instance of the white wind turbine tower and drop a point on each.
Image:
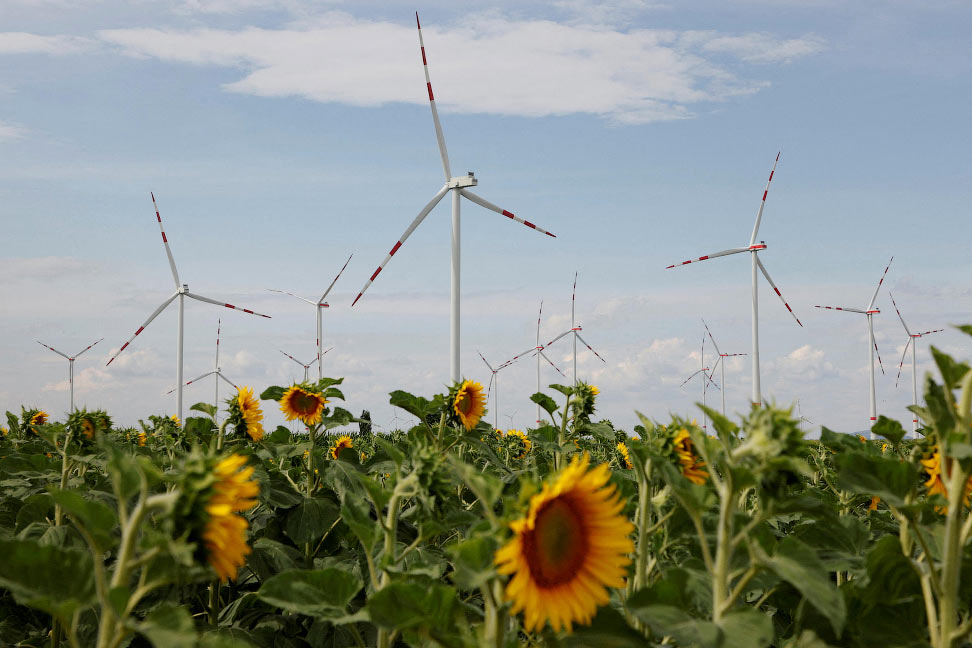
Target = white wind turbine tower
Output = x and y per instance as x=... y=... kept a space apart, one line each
x=215 y=372
x=913 y=342
x=182 y=291
x=575 y=328
x=494 y=379
x=721 y=361
x=305 y=365
x=872 y=349
x=319 y=306
x=706 y=379
x=753 y=248
x=538 y=352
x=459 y=187
x=70 y=360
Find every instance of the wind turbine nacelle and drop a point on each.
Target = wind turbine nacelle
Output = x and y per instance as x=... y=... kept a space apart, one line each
x=468 y=180
x=758 y=246
x=873 y=311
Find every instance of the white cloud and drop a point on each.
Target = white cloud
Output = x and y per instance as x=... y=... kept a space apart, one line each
x=21 y=269
x=24 y=43
x=10 y=131
x=487 y=64
x=804 y=362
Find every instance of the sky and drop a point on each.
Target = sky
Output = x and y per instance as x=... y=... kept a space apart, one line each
x=279 y=137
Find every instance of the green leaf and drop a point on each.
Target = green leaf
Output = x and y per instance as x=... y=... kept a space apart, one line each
x=890 y=429
x=473 y=561
x=746 y=628
x=599 y=430
x=608 y=629
x=205 y=408
x=952 y=371
x=396 y=455
x=482 y=483
x=796 y=563
x=415 y=405
x=667 y=620
x=548 y=404
x=338 y=418
x=273 y=393
x=279 y=435
x=169 y=625
x=280 y=493
x=563 y=389
x=400 y=606
x=890 y=479
x=270 y=557
x=36 y=508
x=356 y=513
x=310 y=519
x=96 y=518
x=53 y=579
x=324 y=593
x=196 y=427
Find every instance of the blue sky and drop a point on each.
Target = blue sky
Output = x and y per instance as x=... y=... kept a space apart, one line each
x=281 y=136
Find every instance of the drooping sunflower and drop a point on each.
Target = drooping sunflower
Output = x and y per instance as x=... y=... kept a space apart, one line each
x=142 y=438
x=245 y=413
x=468 y=403
x=517 y=444
x=343 y=442
x=936 y=479
x=689 y=463
x=175 y=419
x=623 y=458
x=572 y=545
x=87 y=429
x=300 y=402
x=39 y=418
x=594 y=390
x=224 y=535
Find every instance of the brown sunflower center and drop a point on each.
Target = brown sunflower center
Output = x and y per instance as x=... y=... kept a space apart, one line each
x=464 y=403
x=303 y=403
x=556 y=548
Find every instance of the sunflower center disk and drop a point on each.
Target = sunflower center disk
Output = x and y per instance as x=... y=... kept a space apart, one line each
x=556 y=548
x=304 y=404
x=464 y=404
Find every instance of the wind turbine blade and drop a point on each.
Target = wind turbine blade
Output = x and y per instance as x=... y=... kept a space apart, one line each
x=709 y=256
x=142 y=327
x=66 y=357
x=716 y=365
x=210 y=373
x=325 y=352
x=219 y=326
x=490 y=206
x=321 y=300
x=901 y=364
x=573 y=295
x=870 y=304
x=552 y=364
x=590 y=348
x=408 y=232
x=777 y=290
x=691 y=377
x=226 y=379
x=899 y=313
x=520 y=355
x=489 y=387
x=224 y=304
x=713 y=340
x=292 y=295
x=87 y=347
x=930 y=332
x=881 y=364
x=487 y=363
x=558 y=337
x=539 y=315
x=841 y=308
x=435 y=113
x=165 y=241
x=708 y=376
x=291 y=357
x=762 y=204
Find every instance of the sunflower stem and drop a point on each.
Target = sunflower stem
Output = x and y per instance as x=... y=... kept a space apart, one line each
x=220 y=434
x=723 y=554
x=65 y=469
x=214 y=602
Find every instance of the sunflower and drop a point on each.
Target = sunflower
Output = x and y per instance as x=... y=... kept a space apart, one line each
x=517 y=443
x=594 y=390
x=142 y=438
x=690 y=465
x=936 y=483
x=88 y=429
x=469 y=403
x=224 y=535
x=624 y=459
x=301 y=403
x=246 y=409
x=343 y=442
x=572 y=545
x=40 y=418
x=175 y=419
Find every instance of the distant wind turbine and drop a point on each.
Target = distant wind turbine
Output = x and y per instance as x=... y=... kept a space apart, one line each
x=494 y=380
x=70 y=360
x=721 y=361
x=872 y=348
x=753 y=248
x=706 y=379
x=182 y=291
x=575 y=328
x=459 y=187
x=538 y=352
x=215 y=372
x=305 y=365
x=913 y=342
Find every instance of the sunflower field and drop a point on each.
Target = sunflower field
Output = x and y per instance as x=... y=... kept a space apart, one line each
x=452 y=533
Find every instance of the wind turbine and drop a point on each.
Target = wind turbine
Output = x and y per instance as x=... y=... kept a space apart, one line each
x=538 y=352
x=493 y=379
x=182 y=291
x=305 y=365
x=705 y=377
x=574 y=329
x=913 y=342
x=319 y=305
x=753 y=248
x=459 y=187
x=217 y=372
x=872 y=349
x=70 y=360
x=721 y=361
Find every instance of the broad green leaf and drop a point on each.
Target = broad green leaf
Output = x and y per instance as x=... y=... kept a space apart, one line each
x=309 y=520
x=484 y=484
x=356 y=513
x=890 y=429
x=608 y=629
x=601 y=431
x=280 y=493
x=746 y=628
x=197 y=427
x=473 y=561
x=404 y=605
x=668 y=620
x=96 y=518
x=889 y=478
x=563 y=389
x=797 y=564
x=396 y=455
x=338 y=418
x=951 y=370
x=53 y=579
x=36 y=508
x=273 y=393
x=415 y=405
x=548 y=404
x=205 y=408
x=670 y=589
x=169 y=625
x=270 y=557
x=323 y=593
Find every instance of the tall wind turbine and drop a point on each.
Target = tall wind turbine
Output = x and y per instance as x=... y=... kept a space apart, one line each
x=721 y=361
x=182 y=291
x=913 y=342
x=575 y=328
x=706 y=379
x=459 y=187
x=215 y=372
x=494 y=379
x=70 y=360
x=753 y=248
x=319 y=305
x=538 y=352
x=872 y=349
x=305 y=365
